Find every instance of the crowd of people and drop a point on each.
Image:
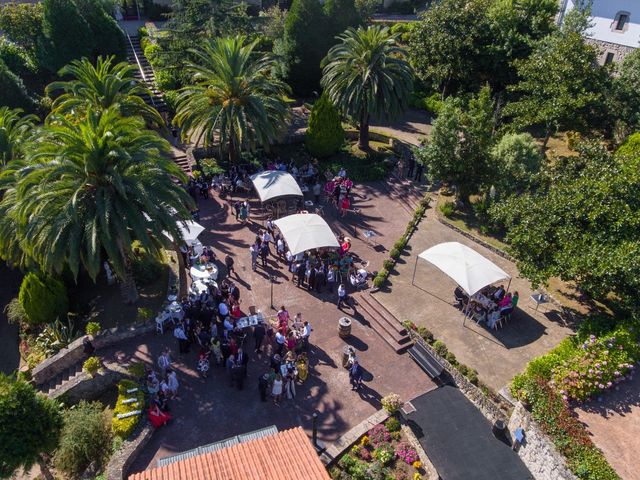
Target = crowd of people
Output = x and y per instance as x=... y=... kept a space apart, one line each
x=490 y=305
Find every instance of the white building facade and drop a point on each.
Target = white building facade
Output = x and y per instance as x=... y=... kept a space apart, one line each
x=616 y=27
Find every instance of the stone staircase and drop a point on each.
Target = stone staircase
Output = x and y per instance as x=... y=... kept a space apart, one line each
x=182 y=161
x=145 y=73
x=404 y=192
x=384 y=323
x=63 y=377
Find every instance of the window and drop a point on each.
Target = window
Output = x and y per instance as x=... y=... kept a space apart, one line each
x=609 y=58
x=622 y=21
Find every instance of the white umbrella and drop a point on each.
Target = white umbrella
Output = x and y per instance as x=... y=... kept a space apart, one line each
x=306 y=231
x=467 y=267
x=190 y=231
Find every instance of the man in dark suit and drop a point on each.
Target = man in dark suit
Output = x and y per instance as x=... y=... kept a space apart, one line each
x=242 y=359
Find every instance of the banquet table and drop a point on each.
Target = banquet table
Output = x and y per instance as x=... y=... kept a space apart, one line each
x=250 y=321
x=204 y=271
x=483 y=300
x=200 y=286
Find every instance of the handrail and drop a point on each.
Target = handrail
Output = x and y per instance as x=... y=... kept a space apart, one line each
x=144 y=77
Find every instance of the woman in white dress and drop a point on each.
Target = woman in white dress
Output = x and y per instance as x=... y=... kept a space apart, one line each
x=276 y=390
x=172 y=382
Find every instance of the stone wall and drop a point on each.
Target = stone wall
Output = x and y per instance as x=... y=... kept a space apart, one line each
x=84 y=387
x=121 y=460
x=619 y=51
x=537 y=451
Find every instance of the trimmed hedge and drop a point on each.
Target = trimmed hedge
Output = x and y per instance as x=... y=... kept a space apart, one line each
x=123 y=428
x=43 y=298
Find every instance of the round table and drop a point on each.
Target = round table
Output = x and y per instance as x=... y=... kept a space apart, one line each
x=201 y=271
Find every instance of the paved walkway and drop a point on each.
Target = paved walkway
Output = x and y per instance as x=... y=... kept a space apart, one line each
x=458 y=439
x=411 y=128
x=614 y=424
x=209 y=409
x=496 y=355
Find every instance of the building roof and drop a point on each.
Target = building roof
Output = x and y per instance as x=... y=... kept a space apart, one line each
x=286 y=455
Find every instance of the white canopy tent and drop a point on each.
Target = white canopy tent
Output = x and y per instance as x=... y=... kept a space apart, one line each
x=306 y=231
x=190 y=230
x=273 y=184
x=464 y=265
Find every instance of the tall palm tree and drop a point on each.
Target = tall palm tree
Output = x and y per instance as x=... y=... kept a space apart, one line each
x=233 y=99
x=366 y=76
x=88 y=188
x=15 y=129
x=100 y=87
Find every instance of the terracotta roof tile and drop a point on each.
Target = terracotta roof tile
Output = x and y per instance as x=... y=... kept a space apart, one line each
x=286 y=455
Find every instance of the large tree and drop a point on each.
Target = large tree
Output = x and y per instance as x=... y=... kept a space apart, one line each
x=22 y=23
x=561 y=85
x=367 y=77
x=30 y=425
x=517 y=158
x=108 y=37
x=583 y=225
x=233 y=100
x=13 y=93
x=97 y=88
x=624 y=101
x=15 y=129
x=66 y=35
x=88 y=188
x=457 y=151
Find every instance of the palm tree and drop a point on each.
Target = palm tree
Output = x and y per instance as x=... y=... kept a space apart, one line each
x=234 y=99
x=89 y=188
x=100 y=87
x=366 y=75
x=15 y=129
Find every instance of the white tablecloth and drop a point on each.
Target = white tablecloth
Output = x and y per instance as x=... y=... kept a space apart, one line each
x=200 y=271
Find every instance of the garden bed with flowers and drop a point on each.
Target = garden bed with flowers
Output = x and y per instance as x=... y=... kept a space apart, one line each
x=601 y=356
x=384 y=453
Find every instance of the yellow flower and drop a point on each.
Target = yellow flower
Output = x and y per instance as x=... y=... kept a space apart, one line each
x=364 y=441
x=417 y=464
x=416 y=476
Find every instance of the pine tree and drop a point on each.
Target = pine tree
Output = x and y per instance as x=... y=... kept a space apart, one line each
x=325 y=134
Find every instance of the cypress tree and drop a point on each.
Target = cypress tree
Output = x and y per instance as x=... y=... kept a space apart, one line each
x=13 y=93
x=325 y=134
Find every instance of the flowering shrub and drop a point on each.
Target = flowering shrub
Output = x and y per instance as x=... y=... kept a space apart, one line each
x=417 y=464
x=391 y=403
x=364 y=441
x=393 y=424
x=384 y=454
x=407 y=453
x=598 y=365
x=379 y=435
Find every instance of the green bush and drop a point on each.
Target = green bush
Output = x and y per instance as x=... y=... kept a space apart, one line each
x=91 y=365
x=152 y=51
x=93 y=328
x=165 y=80
x=425 y=334
x=380 y=279
x=325 y=134
x=400 y=244
x=136 y=370
x=394 y=253
x=448 y=209
x=451 y=358
x=146 y=268
x=43 y=298
x=440 y=348
x=392 y=424
x=171 y=99
x=125 y=426
x=433 y=103
x=85 y=438
x=388 y=265
x=144 y=314
x=463 y=369
x=472 y=376
x=13 y=93
x=16 y=58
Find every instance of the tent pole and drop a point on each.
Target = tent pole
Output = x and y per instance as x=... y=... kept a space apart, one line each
x=414 y=271
x=508 y=286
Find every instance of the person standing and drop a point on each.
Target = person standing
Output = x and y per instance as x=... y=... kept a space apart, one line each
x=355 y=375
x=164 y=361
x=263 y=385
x=317 y=188
x=244 y=212
x=276 y=390
x=243 y=360
x=172 y=383
x=258 y=335
x=181 y=336
x=254 y=249
x=342 y=295
x=236 y=208
x=228 y=261
x=301 y=271
x=306 y=334
x=264 y=253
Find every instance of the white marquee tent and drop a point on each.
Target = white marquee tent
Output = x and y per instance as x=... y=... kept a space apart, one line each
x=464 y=265
x=306 y=231
x=273 y=184
x=190 y=230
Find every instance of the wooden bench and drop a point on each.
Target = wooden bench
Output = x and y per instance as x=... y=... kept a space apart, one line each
x=426 y=360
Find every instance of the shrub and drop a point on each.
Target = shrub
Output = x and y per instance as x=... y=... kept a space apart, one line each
x=43 y=298
x=407 y=453
x=144 y=314
x=85 y=438
x=451 y=358
x=425 y=334
x=15 y=313
x=171 y=100
x=463 y=369
x=123 y=427
x=440 y=348
x=91 y=365
x=152 y=52
x=388 y=264
x=146 y=268
x=363 y=453
x=391 y=403
x=384 y=454
x=136 y=370
x=448 y=209
x=394 y=253
x=379 y=281
x=400 y=244
x=325 y=134
x=210 y=167
x=392 y=424
x=346 y=462
x=378 y=435
x=472 y=376
x=93 y=328
x=165 y=80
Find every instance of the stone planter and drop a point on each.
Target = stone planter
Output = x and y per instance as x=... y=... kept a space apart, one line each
x=344 y=327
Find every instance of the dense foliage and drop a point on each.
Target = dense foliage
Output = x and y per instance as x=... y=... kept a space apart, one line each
x=13 y=93
x=15 y=129
x=43 y=298
x=325 y=134
x=367 y=77
x=85 y=438
x=30 y=425
x=123 y=427
x=517 y=158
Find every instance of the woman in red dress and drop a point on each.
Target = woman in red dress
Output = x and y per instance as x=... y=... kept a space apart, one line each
x=157 y=417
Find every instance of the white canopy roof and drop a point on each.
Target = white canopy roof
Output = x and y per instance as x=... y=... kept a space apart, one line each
x=306 y=231
x=190 y=231
x=467 y=267
x=272 y=184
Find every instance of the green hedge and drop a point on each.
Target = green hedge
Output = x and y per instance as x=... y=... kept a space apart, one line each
x=325 y=134
x=124 y=427
x=43 y=298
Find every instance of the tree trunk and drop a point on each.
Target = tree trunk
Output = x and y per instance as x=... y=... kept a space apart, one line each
x=233 y=149
x=128 y=288
x=547 y=136
x=44 y=468
x=363 y=138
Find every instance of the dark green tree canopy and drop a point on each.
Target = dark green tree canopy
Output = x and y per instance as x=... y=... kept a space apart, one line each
x=13 y=93
x=22 y=22
x=325 y=134
x=30 y=425
x=108 y=38
x=43 y=298
x=582 y=226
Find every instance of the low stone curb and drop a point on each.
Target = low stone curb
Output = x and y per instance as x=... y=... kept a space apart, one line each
x=429 y=468
x=344 y=443
x=120 y=462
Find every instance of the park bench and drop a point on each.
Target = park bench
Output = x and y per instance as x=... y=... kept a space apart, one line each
x=426 y=360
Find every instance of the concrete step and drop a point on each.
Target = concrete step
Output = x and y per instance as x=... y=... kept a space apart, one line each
x=397 y=339
x=63 y=377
